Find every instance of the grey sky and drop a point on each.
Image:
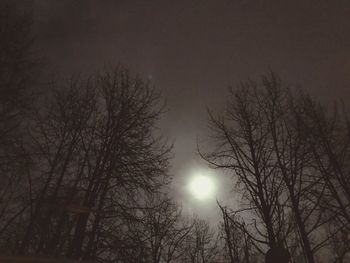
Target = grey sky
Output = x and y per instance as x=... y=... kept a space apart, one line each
x=193 y=50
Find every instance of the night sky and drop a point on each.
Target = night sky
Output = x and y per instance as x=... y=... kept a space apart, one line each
x=193 y=50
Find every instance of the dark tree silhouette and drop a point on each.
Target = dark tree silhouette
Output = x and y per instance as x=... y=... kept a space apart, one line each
x=289 y=172
x=84 y=173
x=244 y=148
x=95 y=157
x=239 y=246
x=18 y=68
x=328 y=140
x=201 y=245
x=159 y=233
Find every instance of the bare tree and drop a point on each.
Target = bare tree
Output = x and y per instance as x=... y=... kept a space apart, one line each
x=96 y=156
x=287 y=170
x=245 y=150
x=56 y=144
x=159 y=231
x=201 y=245
x=292 y=155
x=239 y=246
x=328 y=140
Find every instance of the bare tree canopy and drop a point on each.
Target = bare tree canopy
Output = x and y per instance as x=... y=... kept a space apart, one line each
x=290 y=156
x=85 y=169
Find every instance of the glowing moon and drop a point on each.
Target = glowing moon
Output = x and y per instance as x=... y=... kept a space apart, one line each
x=202 y=187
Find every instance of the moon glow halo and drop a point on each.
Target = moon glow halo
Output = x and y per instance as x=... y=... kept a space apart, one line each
x=202 y=187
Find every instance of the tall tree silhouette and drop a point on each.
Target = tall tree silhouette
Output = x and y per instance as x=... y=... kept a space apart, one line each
x=96 y=156
x=18 y=68
x=287 y=170
x=244 y=148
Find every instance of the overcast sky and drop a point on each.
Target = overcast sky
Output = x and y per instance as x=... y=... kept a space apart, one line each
x=193 y=50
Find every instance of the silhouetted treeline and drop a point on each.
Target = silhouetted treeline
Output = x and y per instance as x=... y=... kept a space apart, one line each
x=84 y=171
x=290 y=156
